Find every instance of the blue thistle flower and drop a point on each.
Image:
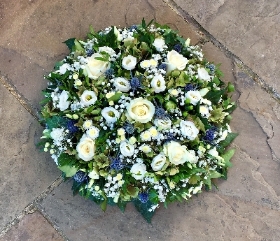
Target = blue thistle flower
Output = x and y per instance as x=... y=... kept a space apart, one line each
x=178 y=48
x=143 y=197
x=129 y=128
x=132 y=27
x=161 y=114
x=210 y=134
x=109 y=73
x=189 y=87
x=211 y=67
x=70 y=125
x=116 y=164
x=80 y=176
x=169 y=137
x=135 y=83
x=162 y=66
x=89 y=52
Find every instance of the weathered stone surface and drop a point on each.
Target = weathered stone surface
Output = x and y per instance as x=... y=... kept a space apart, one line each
x=209 y=216
x=33 y=227
x=25 y=172
x=31 y=39
x=246 y=28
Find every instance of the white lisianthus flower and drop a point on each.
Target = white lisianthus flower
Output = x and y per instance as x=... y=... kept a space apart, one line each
x=194 y=96
x=204 y=111
x=126 y=148
x=176 y=153
x=63 y=68
x=110 y=114
x=176 y=61
x=188 y=129
x=163 y=124
x=159 y=44
x=93 y=132
x=138 y=171
x=63 y=104
x=203 y=74
x=145 y=148
x=145 y=136
x=140 y=110
x=57 y=134
x=86 y=148
x=107 y=50
x=129 y=62
x=158 y=162
x=94 y=67
x=158 y=83
x=121 y=84
x=93 y=174
x=87 y=124
x=88 y=98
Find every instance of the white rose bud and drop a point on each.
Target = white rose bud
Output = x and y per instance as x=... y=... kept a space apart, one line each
x=158 y=162
x=86 y=148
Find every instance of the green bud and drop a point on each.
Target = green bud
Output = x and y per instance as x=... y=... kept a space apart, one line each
x=190 y=107
x=231 y=87
x=229 y=117
x=75 y=117
x=185 y=114
x=187 y=101
x=175 y=73
x=69 y=116
x=170 y=105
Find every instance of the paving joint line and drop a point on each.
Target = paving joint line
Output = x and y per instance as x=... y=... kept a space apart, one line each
x=33 y=207
x=190 y=19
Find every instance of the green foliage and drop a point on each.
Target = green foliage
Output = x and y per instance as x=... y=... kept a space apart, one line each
x=143 y=208
x=70 y=43
x=56 y=122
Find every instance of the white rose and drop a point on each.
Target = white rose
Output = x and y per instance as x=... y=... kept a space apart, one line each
x=88 y=98
x=140 y=110
x=95 y=67
x=158 y=83
x=138 y=171
x=126 y=148
x=86 y=148
x=194 y=96
x=129 y=62
x=188 y=129
x=176 y=153
x=63 y=104
x=158 y=162
x=175 y=61
x=107 y=50
x=163 y=124
x=121 y=84
x=93 y=174
x=110 y=114
x=203 y=74
x=159 y=44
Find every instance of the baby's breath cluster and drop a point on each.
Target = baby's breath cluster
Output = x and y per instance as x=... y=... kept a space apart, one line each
x=137 y=115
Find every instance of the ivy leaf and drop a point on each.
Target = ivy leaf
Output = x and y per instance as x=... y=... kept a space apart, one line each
x=69 y=171
x=227 y=156
x=143 y=208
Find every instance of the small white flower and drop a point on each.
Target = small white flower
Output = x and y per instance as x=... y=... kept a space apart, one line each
x=57 y=134
x=126 y=148
x=145 y=136
x=88 y=98
x=194 y=96
x=158 y=162
x=121 y=84
x=158 y=83
x=138 y=171
x=107 y=50
x=203 y=74
x=159 y=44
x=145 y=64
x=118 y=34
x=110 y=114
x=153 y=131
x=204 y=111
x=145 y=148
x=63 y=104
x=163 y=124
x=78 y=83
x=87 y=124
x=93 y=132
x=129 y=62
x=94 y=175
x=188 y=129
x=173 y=92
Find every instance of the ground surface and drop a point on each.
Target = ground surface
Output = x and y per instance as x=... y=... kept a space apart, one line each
x=241 y=35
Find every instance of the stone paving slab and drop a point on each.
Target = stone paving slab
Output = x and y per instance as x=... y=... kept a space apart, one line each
x=33 y=227
x=250 y=29
x=24 y=171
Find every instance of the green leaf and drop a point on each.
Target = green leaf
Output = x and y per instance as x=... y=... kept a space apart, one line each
x=66 y=160
x=214 y=96
x=230 y=137
x=70 y=43
x=55 y=122
x=143 y=23
x=215 y=174
x=122 y=205
x=143 y=208
x=132 y=191
x=104 y=205
x=115 y=97
x=69 y=171
x=227 y=156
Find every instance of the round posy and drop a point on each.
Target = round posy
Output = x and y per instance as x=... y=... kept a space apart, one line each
x=137 y=114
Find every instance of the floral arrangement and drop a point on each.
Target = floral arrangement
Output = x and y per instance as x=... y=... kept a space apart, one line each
x=137 y=115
